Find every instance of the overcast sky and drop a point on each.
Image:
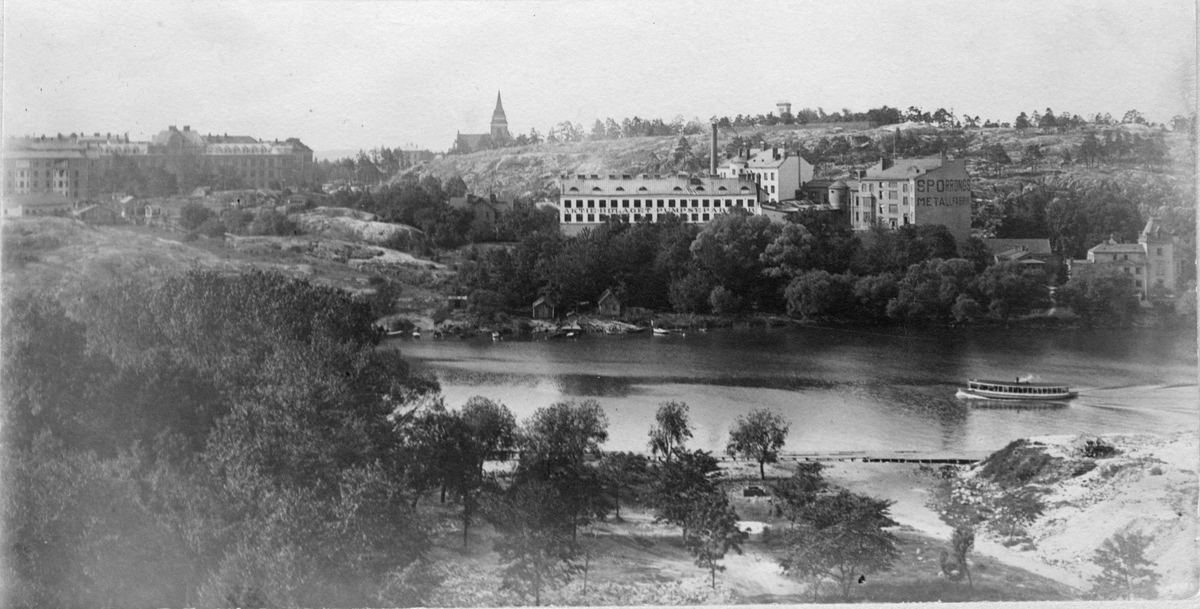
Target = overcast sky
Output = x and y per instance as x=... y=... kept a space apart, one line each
x=348 y=75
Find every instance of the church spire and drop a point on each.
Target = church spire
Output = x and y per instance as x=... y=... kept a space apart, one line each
x=499 y=121
x=498 y=114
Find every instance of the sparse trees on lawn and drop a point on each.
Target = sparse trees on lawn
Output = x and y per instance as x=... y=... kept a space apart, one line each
x=758 y=436
x=1126 y=570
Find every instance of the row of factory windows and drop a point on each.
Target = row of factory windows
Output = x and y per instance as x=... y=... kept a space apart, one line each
x=584 y=218
x=649 y=203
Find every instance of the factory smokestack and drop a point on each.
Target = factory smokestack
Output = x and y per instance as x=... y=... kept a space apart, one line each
x=712 y=161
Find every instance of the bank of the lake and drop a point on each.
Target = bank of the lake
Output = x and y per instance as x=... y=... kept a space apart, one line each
x=842 y=389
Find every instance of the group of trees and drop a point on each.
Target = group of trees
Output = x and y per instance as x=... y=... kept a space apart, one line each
x=422 y=201
x=205 y=439
x=199 y=218
x=367 y=167
x=812 y=267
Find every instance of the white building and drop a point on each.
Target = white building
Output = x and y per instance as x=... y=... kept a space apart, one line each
x=588 y=200
x=779 y=174
x=1151 y=262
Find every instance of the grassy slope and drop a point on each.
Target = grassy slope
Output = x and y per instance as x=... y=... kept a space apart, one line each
x=66 y=258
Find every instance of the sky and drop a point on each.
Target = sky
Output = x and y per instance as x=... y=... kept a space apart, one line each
x=346 y=75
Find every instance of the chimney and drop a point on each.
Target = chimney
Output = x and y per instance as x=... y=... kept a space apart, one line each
x=187 y=128
x=712 y=163
x=171 y=128
x=775 y=153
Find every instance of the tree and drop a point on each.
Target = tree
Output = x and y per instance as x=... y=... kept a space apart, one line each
x=961 y=543
x=492 y=429
x=623 y=471
x=193 y=214
x=1012 y=289
x=1100 y=296
x=1022 y=121
x=795 y=494
x=681 y=482
x=711 y=531
x=535 y=538
x=1016 y=509
x=842 y=538
x=555 y=441
x=758 y=436
x=671 y=429
x=1127 y=573
x=818 y=294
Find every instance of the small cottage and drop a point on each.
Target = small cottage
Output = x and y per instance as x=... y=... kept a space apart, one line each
x=543 y=308
x=608 y=304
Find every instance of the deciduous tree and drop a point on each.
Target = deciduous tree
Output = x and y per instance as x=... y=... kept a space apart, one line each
x=759 y=436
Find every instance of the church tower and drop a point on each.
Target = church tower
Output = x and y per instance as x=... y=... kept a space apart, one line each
x=499 y=123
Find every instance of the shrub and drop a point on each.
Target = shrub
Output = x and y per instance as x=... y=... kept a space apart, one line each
x=269 y=222
x=212 y=228
x=1016 y=464
x=1097 y=449
x=1156 y=471
x=193 y=215
x=1083 y=468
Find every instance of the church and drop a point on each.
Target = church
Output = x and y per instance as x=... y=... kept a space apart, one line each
x=465 y=143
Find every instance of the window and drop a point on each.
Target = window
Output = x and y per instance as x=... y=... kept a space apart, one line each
x=695 y=217
x=1137 y=271
x=1158 y=251
x=567 y=204
x=579 y=217
x=670 y=202
x=705 y=203
x=625 y=204
x=660 y=203
x=637 y=202
x=772 y=189
x=904 y=187
x=591 y=203
x=603 y=204
x=892 y=208
x=566 y=217
x=706 y=217
x=591 y=218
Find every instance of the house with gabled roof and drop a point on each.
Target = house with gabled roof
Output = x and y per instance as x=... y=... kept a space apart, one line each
x=608 y=304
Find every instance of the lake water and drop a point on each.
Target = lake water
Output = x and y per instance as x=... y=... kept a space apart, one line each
x=841 y=389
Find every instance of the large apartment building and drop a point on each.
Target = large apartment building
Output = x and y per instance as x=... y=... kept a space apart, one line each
x=587 y=200
x=921 y=191
x=73 y=166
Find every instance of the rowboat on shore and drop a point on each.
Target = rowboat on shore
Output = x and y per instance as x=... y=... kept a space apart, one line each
x=1014 y=390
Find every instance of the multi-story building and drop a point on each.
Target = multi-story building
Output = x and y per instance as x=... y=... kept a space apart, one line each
x=75 y=166
x=922 y=191
x=779 y=174
x=589 y=200
x=1152 y=262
